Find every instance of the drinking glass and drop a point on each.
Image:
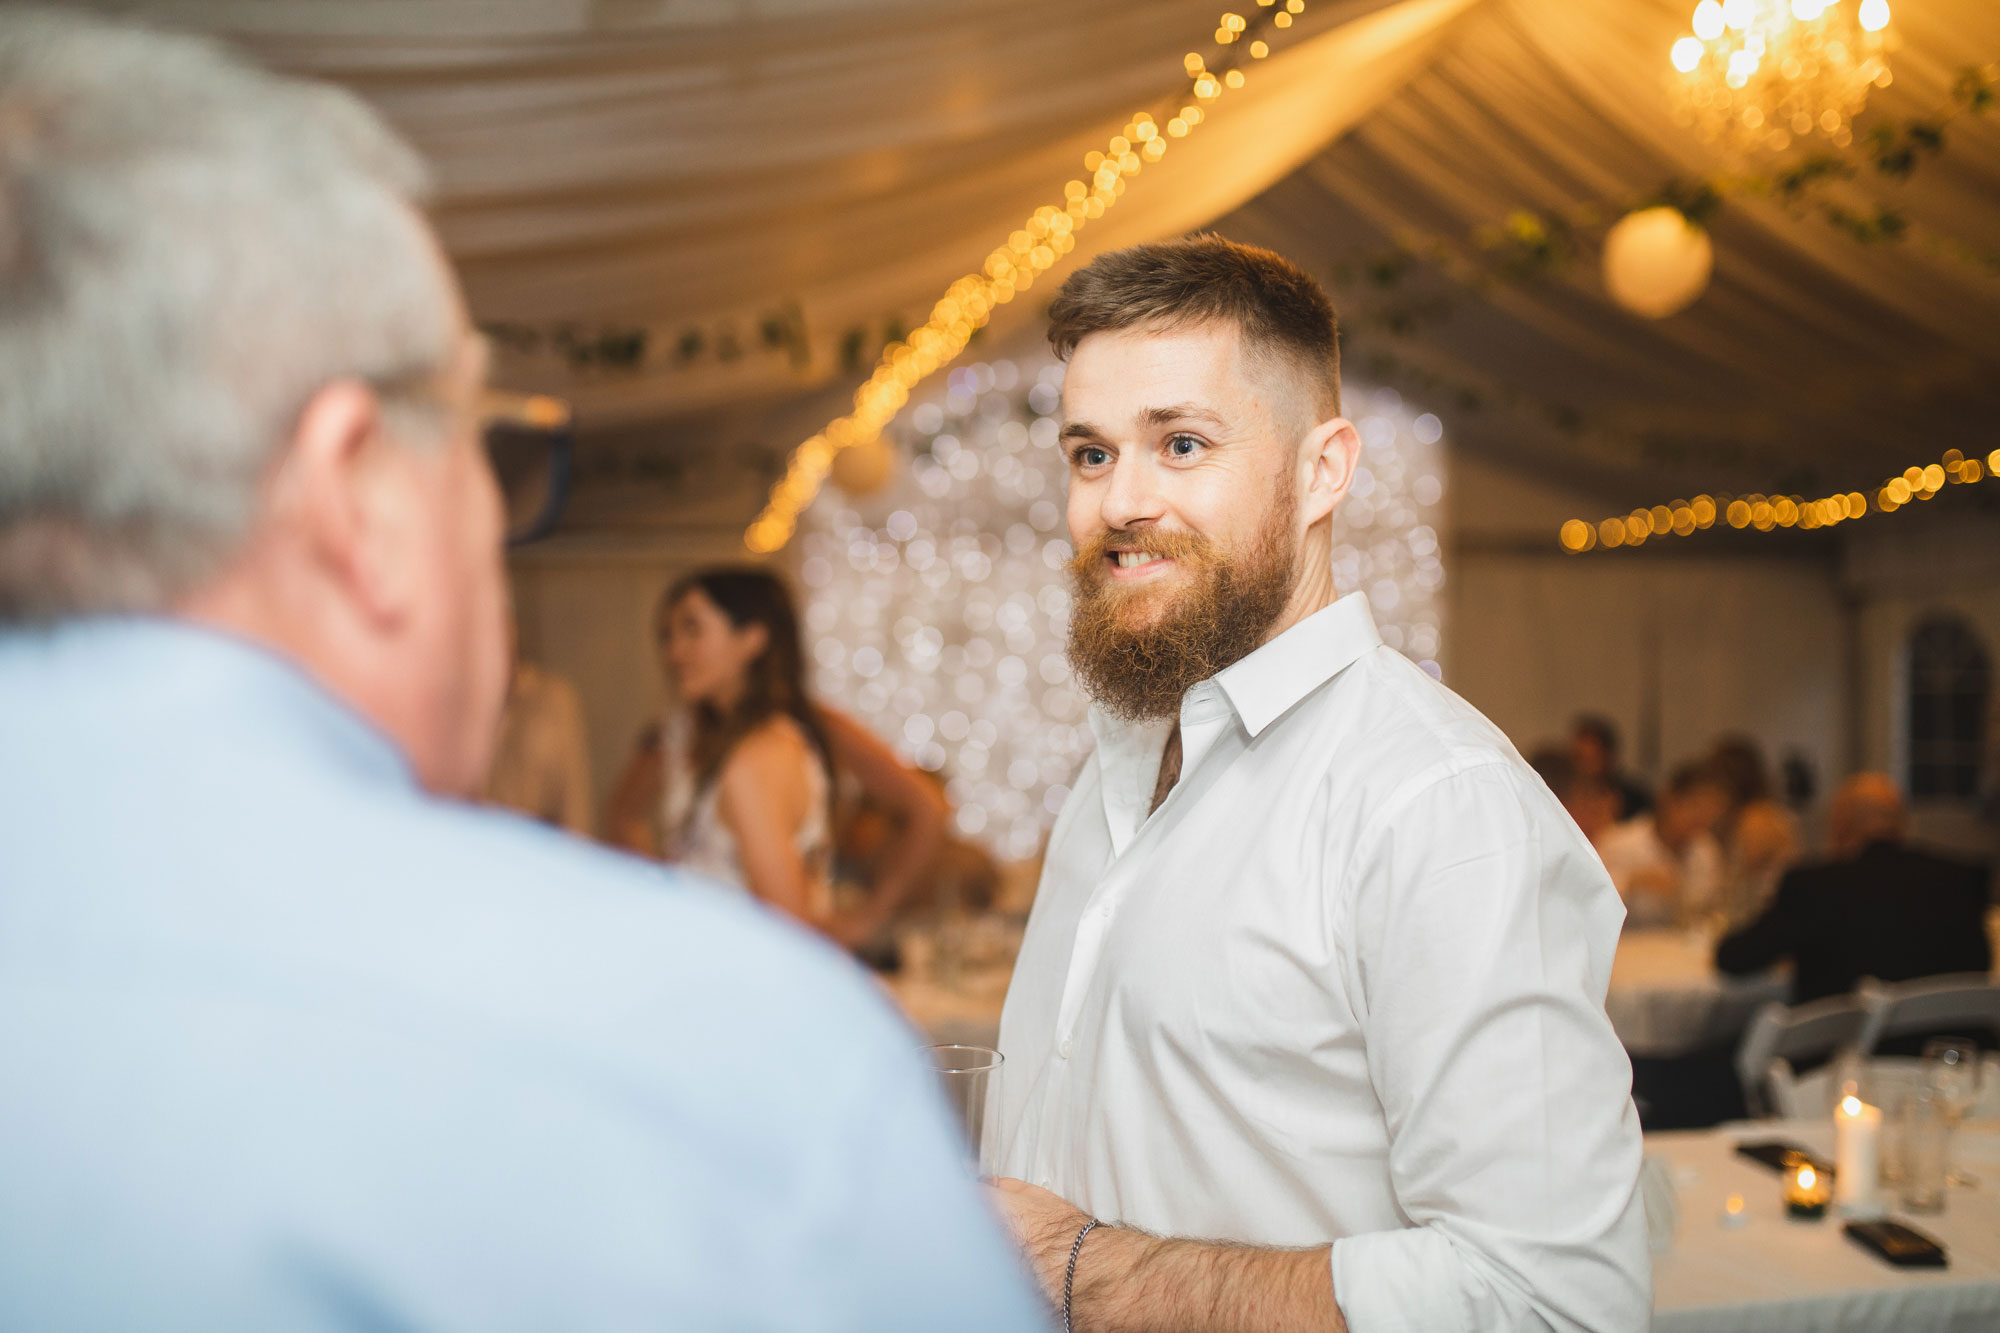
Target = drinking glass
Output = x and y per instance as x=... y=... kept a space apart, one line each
x=1954 y=1070
x=1924 y=1138
x=1895 y=1134
x=969 y=1074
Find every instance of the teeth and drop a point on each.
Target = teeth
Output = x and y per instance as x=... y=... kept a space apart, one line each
x=1133 y=559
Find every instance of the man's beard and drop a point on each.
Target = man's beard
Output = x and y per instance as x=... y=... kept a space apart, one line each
x=1141 y=671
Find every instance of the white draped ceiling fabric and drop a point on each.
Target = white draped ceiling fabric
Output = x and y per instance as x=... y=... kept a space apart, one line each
x=676 y=165
x=1813 y=363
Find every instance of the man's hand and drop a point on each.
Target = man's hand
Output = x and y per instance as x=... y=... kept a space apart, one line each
x=1044 y=1226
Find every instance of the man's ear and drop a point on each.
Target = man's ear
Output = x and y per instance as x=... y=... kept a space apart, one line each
x=1330 y=453
x=346 y=492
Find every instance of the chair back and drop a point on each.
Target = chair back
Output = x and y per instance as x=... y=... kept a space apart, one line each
x=1799 y=1032
x=1969 y=1000
x=1885 y=1082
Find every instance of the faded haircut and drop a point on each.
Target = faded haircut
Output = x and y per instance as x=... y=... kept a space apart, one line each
x=190 y=248
x=1280 y=311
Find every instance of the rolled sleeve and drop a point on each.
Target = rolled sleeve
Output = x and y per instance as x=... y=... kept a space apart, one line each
x=1480 y=942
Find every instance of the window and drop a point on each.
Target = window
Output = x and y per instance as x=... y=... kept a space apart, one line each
x=1951 y=680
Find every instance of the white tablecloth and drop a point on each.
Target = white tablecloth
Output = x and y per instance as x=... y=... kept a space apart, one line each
x=1667 y=999
x=1775 y=1275
x=967 y=1014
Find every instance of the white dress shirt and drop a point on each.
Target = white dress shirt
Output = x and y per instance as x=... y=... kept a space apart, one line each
x=1346 y=985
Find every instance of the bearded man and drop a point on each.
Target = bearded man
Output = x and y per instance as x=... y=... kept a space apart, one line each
x=1316 y=970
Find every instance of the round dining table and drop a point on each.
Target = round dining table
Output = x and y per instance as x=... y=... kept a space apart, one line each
x=1666 y=998
x=1761 y=1271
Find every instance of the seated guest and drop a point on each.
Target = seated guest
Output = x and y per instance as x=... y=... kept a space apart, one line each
x=1593 y=743
x=737 y=785
x=541 y=766
x=960 y=873
x=307 y=1041
x=1875 y=908
x=1666 y=864
x=1308 y=1029
x=1759 y=837
x=1589 y=801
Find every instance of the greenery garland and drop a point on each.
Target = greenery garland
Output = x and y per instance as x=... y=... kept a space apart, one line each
x=1530 y=244
x=1525 y=246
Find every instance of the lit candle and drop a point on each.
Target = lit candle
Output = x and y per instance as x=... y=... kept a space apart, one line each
x=1857 y=1129
x=1805 y=1188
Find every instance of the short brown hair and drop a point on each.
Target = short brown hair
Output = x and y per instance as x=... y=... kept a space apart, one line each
x=1278 y=307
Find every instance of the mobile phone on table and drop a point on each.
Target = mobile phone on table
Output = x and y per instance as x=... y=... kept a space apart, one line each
x=1905 y=1247
x=1773 y=1152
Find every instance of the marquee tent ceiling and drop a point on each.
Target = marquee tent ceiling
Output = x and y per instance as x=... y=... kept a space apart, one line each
x=787 y=179
x=1813 y=362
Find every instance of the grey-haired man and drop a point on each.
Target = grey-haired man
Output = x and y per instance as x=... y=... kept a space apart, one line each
x=291 y=1042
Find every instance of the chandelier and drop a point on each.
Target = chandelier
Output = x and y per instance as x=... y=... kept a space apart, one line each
x=1760 y=74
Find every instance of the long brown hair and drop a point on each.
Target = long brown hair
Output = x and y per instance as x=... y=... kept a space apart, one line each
x=776 y=680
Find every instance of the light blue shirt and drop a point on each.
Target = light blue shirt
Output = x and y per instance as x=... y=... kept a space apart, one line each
x=287 y=1044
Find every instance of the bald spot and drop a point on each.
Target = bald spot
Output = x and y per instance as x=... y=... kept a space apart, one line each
x=1867 y=808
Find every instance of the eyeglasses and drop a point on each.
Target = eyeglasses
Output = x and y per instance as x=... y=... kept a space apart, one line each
x=529 y=440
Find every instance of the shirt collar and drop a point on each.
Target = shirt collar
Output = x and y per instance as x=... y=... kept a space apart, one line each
x=1264 y=686
x=217 y=687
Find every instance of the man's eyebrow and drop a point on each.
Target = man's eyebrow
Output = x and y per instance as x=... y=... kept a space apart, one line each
x=1162 y=416
x=1151 y=416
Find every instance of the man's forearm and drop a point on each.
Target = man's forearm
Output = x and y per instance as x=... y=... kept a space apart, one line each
x=1130 y=1282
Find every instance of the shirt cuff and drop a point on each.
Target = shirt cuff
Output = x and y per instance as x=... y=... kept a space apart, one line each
x=1398 y=1282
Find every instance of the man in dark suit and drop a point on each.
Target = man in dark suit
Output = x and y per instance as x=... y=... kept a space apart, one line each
x=1877 y=909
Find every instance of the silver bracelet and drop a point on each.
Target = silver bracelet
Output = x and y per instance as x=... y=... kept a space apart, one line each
x=1069 y=1275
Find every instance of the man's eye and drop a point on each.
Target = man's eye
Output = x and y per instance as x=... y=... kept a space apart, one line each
x=1092 y=456
x=1183 y=446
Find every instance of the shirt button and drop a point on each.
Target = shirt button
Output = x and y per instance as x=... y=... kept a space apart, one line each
x=1063 y=1049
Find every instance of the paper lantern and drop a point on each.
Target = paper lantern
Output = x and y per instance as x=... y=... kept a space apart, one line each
x=863 y=469
x=1656 y=262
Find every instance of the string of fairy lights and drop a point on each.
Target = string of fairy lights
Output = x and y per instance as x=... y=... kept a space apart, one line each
x=1012 y=268
x=1764 y=513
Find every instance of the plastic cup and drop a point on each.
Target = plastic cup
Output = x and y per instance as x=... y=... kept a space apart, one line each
x=969 y=1074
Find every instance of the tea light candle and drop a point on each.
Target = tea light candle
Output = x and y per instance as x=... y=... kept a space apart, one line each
x=1734 y=1214
x=1806 y=1189
x=1857 y=1129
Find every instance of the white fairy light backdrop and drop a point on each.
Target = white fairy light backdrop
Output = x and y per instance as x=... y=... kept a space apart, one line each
x=937 y=608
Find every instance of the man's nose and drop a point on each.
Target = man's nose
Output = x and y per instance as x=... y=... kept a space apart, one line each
x=1133 y=496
